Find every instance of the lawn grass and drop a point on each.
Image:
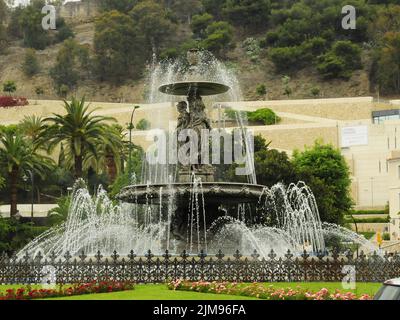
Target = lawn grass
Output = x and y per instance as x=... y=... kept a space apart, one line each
x=161 y=292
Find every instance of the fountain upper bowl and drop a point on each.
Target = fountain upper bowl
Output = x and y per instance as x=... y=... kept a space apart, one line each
x=202 y=88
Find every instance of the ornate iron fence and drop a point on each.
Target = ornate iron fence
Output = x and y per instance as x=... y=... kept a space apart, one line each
x=235 y=268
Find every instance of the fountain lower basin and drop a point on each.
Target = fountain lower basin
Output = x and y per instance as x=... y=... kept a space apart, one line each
x=216 y=193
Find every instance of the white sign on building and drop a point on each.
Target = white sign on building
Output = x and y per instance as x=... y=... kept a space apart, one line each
x=354 y=136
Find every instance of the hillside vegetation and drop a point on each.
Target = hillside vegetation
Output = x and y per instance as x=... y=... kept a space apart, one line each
x=293 y=49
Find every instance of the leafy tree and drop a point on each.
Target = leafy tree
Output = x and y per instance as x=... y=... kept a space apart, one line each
x=9 y=87
x=30 y=20
x=119 y=52
x=80 y=131
x=214 y=7
x=250 y=14
x=199 y=24
x=388 y=63
x=340 y=61
x=219 y=37
x=72 y=59
x=287 y=58
x=3 y=35
x=272 y=166
x=64 y=31
x=152 y=21
x=17 y=156
x=325 y=171
x=30 y=66
x=185 y=9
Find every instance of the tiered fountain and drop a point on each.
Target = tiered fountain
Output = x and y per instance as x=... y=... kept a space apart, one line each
x=192 y=211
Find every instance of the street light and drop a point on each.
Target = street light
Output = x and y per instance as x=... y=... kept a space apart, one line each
x=32 y=177
x=130 y=128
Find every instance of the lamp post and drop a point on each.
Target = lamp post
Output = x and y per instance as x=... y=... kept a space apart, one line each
x=130 y=128
x=32 y=178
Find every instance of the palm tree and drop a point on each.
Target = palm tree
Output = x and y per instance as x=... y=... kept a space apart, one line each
x=33 y=127
x=80 y=131
x=111 y=152
x=17 y=156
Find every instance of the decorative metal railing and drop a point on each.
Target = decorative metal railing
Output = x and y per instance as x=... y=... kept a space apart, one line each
x=234 y=268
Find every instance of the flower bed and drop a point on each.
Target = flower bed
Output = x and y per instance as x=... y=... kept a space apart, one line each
x=7 y=101
x=79 y=289
x=262 y=292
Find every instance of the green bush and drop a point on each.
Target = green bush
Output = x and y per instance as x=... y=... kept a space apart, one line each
x=287 y=58
x=30 y=66
x=340 y=61
x=265 y=116
x=143 y=124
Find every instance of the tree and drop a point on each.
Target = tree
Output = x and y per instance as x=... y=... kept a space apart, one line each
x=9 y=87
x=250 y=14
x=272 y=166
x=199 y=24
x=119 y=52
x=185 y=9
x=110 y=153
x=80 y=131
x=30 y=21
x=30 y=66
x=71 y=61
x=17 y=156
x=388 y=63
x=287 y=58
x=325 y=171
x=64 y=31
x=219 y=37
x=214 y=7
x=3 y=35
x=33 y=128
x=151 y=20
x=261 y=90
x=340 y=61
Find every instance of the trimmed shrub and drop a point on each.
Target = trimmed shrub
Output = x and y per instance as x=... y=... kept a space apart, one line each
x=264 y=116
